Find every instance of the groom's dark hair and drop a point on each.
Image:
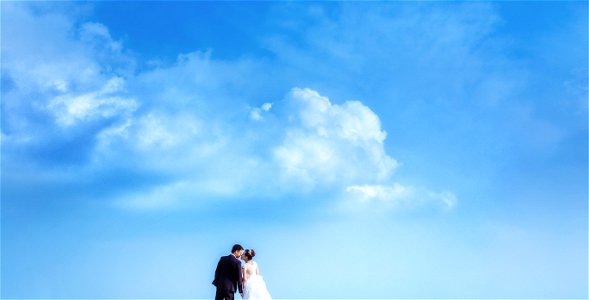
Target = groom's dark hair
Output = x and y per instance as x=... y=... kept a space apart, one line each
x=236 y=247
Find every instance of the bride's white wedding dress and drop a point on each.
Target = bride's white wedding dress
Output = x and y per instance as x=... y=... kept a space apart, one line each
x=254 y=287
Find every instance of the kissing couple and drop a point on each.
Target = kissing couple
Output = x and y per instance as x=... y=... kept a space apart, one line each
x=231 y=275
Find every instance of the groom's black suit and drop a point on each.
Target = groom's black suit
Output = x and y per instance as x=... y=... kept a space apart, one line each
x=228 y=278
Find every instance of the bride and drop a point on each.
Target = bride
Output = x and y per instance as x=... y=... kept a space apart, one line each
x=254 y=287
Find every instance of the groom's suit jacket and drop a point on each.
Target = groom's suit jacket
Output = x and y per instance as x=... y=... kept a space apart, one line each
x=228 y=276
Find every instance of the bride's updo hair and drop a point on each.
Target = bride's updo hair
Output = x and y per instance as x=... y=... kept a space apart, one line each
x=249 y=253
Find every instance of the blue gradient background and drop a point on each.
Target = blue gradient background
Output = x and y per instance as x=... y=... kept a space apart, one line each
x=483 y=101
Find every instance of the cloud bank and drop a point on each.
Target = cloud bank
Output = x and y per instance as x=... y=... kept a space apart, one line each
x=75 y=104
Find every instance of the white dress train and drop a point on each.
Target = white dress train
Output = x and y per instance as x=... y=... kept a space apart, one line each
x=254 y=287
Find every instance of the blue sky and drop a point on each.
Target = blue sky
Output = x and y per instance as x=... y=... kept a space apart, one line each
x=364 y=149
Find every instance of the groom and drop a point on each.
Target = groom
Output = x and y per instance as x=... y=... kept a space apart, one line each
x=228 y=276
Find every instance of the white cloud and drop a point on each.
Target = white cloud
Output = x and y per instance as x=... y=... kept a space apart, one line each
x=49 y=51
x=178 y=121
x=324 y=147
x=98 y=33
x=256 y=113
x=331 y=144
x=60 y=79
x=266 y=106
x=157 y=197
x=187 y=192
x=70 y=109
x=397 y=195
x=350 y=121
x=380 y=193
x=448 y=199
x=162 y=141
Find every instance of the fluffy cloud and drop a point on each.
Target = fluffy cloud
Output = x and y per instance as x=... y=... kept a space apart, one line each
x=328 y=143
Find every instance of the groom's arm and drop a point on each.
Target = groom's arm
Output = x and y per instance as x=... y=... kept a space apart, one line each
x=240 y=278
x=215 y=280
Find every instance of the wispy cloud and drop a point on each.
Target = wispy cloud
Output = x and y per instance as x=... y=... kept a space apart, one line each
x=69 y=108
x=397 y=196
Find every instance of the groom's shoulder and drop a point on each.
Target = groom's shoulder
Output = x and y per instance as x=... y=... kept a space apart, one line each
x=228 y=257
x=231 y=258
